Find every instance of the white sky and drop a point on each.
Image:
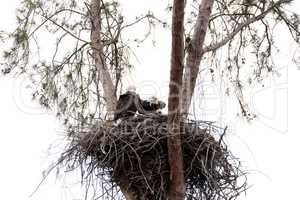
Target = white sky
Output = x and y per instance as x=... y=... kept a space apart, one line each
x=268 y=146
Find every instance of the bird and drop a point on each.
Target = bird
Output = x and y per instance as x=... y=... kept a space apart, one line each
x=151 y=106
x=130 y=102
x=127 y=104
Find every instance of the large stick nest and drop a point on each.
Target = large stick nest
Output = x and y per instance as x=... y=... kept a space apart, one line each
x=133 y=155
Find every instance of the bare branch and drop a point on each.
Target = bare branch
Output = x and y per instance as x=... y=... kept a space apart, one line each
x=230 y=36
x=50 y=19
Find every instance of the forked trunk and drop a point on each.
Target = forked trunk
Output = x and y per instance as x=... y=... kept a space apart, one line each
x=195 y=54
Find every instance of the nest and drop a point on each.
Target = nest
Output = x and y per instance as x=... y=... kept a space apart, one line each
x=133 y=155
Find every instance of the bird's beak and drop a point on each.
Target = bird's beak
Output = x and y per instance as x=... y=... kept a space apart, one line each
x=162 y=104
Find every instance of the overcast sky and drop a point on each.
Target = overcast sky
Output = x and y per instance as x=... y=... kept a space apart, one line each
x=268 y=147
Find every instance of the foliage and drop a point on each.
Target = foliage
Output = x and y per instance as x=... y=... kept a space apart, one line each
x=240 y=44
x=52 y=46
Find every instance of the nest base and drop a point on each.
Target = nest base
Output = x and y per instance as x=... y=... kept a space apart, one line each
x=134 y=155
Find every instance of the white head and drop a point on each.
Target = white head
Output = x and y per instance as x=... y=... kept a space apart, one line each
x=131 y=88
x=153 y=100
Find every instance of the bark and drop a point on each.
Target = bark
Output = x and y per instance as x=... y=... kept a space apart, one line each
x=104 y=76
x=196 y=48
x=195 y=53
x=128 y=194
x=177 y=183
x=97 y=46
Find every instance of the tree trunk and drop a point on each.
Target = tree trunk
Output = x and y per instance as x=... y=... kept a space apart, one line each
x=104 y=76
x=97 y=46
x=195 y=53
x=128 y=194
x=177 y=183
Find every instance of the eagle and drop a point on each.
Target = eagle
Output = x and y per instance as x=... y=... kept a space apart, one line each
x=130 y=102
x=151 y=105
x=127 y=105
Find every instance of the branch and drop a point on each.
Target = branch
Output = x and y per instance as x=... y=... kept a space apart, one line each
x=229 y=37
x=290 y=26
x=50 y=18
x=97 y=46
x=195 y=52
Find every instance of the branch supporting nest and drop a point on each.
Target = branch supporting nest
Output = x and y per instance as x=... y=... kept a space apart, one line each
x=133 y=154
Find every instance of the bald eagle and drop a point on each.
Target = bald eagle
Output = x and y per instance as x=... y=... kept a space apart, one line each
x=129 y=103
x=151 y=105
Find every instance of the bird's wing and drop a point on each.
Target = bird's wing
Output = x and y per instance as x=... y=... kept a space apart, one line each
x=122 y=103
x=138 y=104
